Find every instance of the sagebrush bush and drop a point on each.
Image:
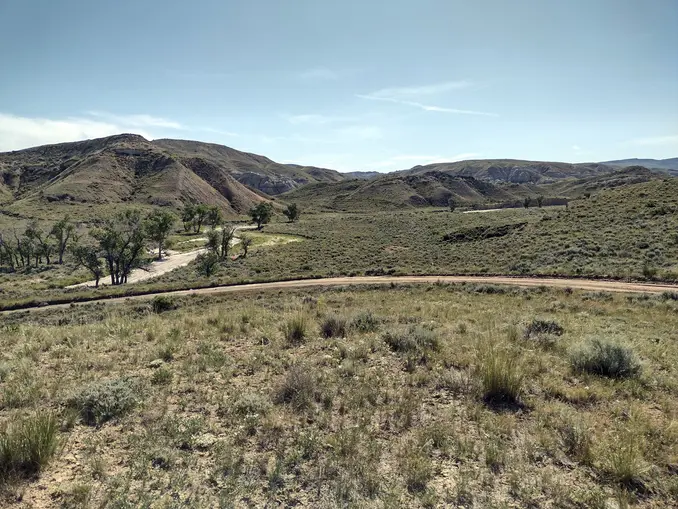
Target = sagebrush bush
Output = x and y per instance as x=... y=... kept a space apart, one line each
x=162 y=303
x=604 y=358
x=298 y=387
x=365 y=322
x=103 y=401
x=295 y=329
x=415 y=339
x=538 y=327
x=251 y=403
x=333 y=326
x=26 y=446
x=501 y=376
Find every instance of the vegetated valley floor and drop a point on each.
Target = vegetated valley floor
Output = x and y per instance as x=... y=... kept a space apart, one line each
x=626 y=232
x=348 y=398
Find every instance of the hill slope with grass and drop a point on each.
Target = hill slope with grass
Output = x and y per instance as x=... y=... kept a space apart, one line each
x=124 y=169
x=512 y=170
x=255 y=171
x=670 y=165
x=400 y=191
x=128 y=169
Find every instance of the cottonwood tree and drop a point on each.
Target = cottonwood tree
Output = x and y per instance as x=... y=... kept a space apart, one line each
x=245 y=242
x=121 y=241
x=526 y=202
x=88 y=257
x=292 y=212
x=540 y=201
x=214 y=217
x=62 y=232
x=452 y=204
x=261 y=214
x=8 y=254
x=206 y=263
x=41 y=243
x=219 y=241
x=200 y=214
x=159 y=225
x=188 y=216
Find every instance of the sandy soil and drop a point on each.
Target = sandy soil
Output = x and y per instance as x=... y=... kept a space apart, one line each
x=578 y=284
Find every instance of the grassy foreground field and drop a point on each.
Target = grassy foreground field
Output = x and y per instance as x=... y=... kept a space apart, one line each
x=428 y=396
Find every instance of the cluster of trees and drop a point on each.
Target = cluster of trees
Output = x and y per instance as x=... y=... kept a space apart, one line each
x=37 y=245
x=117 y=244
x=262 y=213
x=194 y=216
x=120 y=242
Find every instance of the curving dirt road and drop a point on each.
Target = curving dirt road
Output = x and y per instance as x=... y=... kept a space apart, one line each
x=578 y=284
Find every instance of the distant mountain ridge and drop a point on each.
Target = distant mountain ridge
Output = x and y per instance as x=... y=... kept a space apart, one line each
x=129 y=169
x=670 y=164
x=513 y=170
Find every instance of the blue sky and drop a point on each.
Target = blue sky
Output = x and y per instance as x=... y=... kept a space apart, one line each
x=350 y=85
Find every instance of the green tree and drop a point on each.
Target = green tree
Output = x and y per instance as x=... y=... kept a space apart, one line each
x=88 y=257
x=121 y=240
x=452 y=204
x=206 y=263
x=219 y=241
x=292 y=212
x=201 y=213
x=8 y=254
x=188 y=216
x=159 y=225
x=261 y=214
x=526 y=202
x=214 y=216
x=540 y=201
x=245 y=242
x=62 y=231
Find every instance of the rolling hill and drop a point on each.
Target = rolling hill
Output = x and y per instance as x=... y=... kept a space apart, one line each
x=512 y=170
x=671 y=165
x=255 y=171
x=400 y=191
x=434 y=189
x=128 y=169
x=119 y=169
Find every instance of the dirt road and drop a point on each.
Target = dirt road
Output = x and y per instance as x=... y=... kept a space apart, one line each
x=578 y=284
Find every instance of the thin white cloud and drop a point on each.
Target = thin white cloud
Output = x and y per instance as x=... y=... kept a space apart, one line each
x=22 y=132
x=576 y=148
x=428 y=107
x=136 y=120
x=669 y=141
x=318 y=74
x=421 y=90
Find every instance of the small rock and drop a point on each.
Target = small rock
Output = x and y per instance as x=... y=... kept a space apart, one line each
x=156 y=363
